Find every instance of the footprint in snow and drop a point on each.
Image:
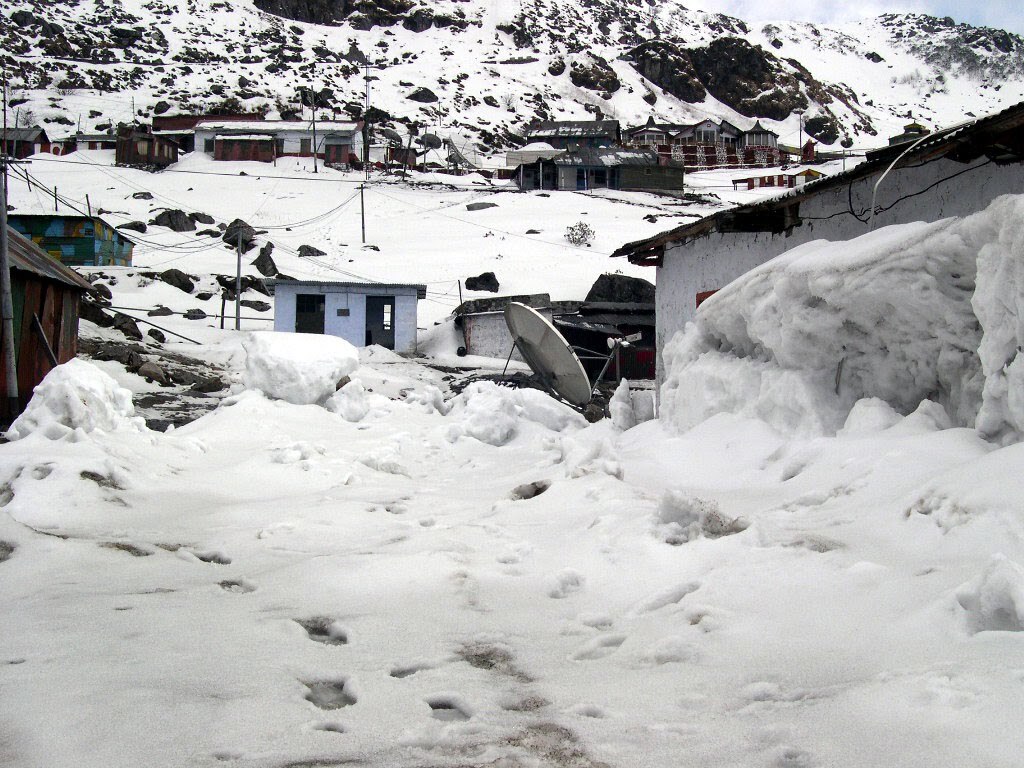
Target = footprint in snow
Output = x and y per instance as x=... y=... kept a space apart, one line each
x=598 y=648
x=330 y=694
x=448 y=708
x=237 y=586
x=323 y=629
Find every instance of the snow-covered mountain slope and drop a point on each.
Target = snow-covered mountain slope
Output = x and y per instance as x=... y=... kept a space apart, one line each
x=479 y=71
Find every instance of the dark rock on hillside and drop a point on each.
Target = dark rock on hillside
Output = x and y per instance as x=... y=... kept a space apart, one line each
x=620 y=288
x=747 y=78
x=194 y=314
x=94 y=313
x=423 y=96
x=594 y=74
x=259 y=306
x=309 y=11
x=480 y=206
x=127 y=326
x=201 y=218
x=239 y=228
x=264 y=263
x=308 y=251
x=134 y=226
x=139 y=195
x=487 y=281
x=178 y=279
x=556 y=67
x=175 y=220
x=669 y=68
x=822 y=127
x=156 y=335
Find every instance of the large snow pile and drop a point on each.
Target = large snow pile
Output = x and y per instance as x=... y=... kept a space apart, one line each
x=302 y=368
x=494 y=414
x=892 y=314
x=73 y=399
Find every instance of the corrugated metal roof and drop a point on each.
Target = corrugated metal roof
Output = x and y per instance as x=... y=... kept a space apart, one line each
x=24 y=134
x=29 y=257
x=267 y=128
x=608 y=157
x=575 y=128
x=953 y=140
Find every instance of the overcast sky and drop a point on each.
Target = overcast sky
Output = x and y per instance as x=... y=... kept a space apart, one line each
x=1002 y=14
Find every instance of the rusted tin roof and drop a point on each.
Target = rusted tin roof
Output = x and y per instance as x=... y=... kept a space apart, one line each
x=29 y=257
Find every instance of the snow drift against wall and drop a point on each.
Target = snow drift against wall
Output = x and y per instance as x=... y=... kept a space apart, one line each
x=893 y=314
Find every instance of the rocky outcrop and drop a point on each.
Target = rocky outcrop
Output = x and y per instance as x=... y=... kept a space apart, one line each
x=487 y=281
x=309 y=11
x=747 y=78
x=621 y=288
x=594 y=74
x=423 y=96
x=239 y=229
x=264 y=263
x=669 y=68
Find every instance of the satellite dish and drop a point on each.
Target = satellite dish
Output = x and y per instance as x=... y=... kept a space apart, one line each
x=430 y=141
x=548 y=354
x=391 y=135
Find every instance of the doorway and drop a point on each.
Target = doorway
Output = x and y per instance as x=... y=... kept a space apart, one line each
x=309 y=313
x=380 y=321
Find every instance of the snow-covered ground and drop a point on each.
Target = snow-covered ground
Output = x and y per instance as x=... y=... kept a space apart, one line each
x=792 y=566
x=403 y=579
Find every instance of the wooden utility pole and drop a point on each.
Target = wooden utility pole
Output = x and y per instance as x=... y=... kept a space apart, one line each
x=6 y=299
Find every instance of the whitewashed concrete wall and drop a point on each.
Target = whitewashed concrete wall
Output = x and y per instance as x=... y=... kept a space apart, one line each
x=487 y=335
x=351 y=327
x=712 y=262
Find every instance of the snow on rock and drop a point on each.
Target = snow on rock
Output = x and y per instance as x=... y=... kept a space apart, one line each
x=350 y=402
x=492 y=414
x=301 y=368
x=683 y=517
x=73 y=399
x=888 y=315
x=995 y=599
x=629 y=408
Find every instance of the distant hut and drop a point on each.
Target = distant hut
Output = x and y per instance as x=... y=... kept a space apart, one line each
x=46 y=296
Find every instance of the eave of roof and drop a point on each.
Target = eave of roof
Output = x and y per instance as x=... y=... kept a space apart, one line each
x=948 y=141
x=29 y=257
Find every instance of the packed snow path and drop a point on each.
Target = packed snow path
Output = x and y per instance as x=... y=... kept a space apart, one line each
x=491 y=582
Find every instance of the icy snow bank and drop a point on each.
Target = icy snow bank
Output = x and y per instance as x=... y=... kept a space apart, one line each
x=302 y=368
x=995 y=600
x=888 y=315
x=999 y=304
x=492 y=414
x=74 y=398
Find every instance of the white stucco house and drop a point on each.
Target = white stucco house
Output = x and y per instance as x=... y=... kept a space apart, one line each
x=951 y=172
x=361 y=313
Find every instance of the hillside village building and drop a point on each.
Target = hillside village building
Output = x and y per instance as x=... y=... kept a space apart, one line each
x=952 y=172
x=708 y=144
x=361 y=313
x=75 y=240
x=337 y=143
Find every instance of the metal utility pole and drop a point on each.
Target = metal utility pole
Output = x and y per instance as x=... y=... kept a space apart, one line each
x=238 y=284
x=6 y=300
x=362 y=210
x=312 y=103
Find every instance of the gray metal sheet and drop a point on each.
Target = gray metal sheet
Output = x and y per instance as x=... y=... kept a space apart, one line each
x=548 y=353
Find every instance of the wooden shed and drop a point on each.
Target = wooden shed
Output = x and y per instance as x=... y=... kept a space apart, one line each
x=139 y=146
x=81 y=241
x=46 y=296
